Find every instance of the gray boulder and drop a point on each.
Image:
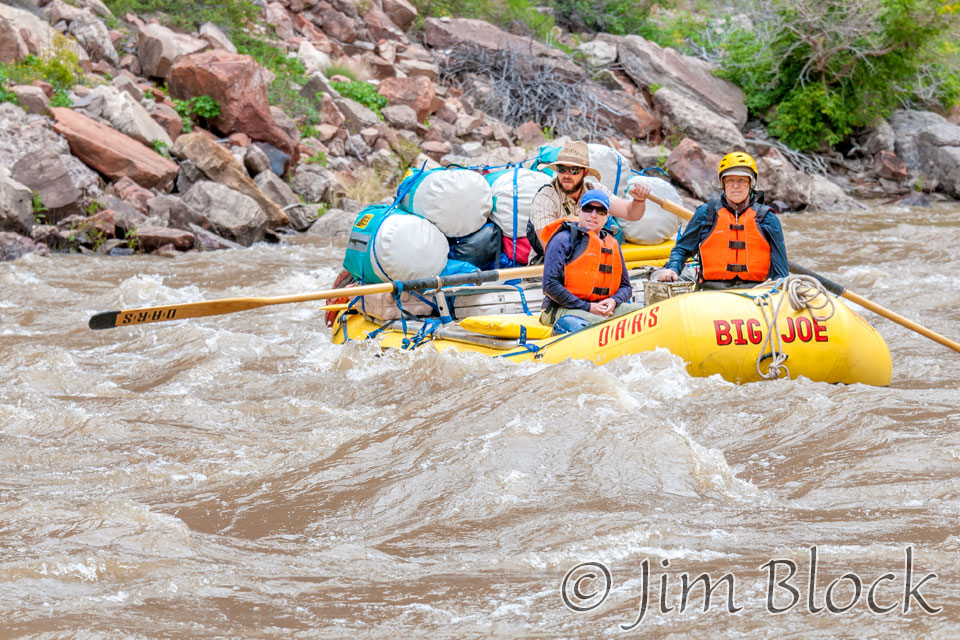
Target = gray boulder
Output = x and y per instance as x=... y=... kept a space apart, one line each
x=160 y=48
x=16 y=205
x=929 y=144
x=235 y=216
x=14 y=245
x=316 y=184
x=650 y=64
x=59 y=183
x=334 y=226
x=781 y=181
x=695 y=120
x=281 y=193
x=21 y=134
x=128 y=116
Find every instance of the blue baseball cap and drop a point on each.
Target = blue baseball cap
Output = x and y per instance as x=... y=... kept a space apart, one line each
x=595 y=196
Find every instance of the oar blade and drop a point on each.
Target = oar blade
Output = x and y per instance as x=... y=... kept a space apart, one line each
x=104 y=320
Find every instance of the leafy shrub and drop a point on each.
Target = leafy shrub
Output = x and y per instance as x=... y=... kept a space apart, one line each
x=619 y=17
x=818 y=72
x=204 y=107
x=362 y=92
x=229 y=15
x=60 y=67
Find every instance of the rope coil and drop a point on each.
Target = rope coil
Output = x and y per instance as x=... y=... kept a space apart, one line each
x=802 y=292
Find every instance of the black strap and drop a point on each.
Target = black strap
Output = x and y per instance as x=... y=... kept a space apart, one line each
x=607 y=250
x=737 y=244
x=736 y=267
x=601 y=291
x=737 y=227
x=606 y=268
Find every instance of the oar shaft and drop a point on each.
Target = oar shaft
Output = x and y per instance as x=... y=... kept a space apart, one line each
x=909 y=324
x=147 y=315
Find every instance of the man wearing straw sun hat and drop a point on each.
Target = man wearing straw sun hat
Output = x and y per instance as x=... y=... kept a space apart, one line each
x=560 y=197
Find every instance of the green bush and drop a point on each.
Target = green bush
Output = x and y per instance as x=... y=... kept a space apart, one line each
x=818 y=72
x=362 y=92
x=203 y=107
x=60 y=67
x=837 y=70
x=230 y=15
x=619 y=17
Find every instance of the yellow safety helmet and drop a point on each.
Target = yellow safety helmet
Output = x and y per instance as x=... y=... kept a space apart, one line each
x=738 y=163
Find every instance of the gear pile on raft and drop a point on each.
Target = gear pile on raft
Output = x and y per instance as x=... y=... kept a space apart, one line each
x=748 y=320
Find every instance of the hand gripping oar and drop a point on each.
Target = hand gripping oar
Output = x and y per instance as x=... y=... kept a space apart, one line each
x=832 y=286
x=128 y=317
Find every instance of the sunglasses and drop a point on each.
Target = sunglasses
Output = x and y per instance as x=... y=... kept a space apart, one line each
x=574 y=171
x=589 y=208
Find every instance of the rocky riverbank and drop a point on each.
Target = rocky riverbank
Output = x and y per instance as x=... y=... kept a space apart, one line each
x=107 y=165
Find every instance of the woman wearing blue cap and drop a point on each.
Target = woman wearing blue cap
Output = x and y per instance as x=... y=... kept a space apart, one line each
x=585 y=278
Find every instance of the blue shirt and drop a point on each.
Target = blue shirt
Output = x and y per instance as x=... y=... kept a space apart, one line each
x=698 y=230
x=554 y=264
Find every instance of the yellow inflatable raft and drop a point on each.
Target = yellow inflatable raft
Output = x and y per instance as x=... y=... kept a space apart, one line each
x=715 y=332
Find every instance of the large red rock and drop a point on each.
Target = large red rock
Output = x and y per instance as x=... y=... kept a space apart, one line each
x=337 y=25
x=380 y=25
x=695 y=168
x=112 y=153
x=400 y=12
x=237 y=83
x=417 y=93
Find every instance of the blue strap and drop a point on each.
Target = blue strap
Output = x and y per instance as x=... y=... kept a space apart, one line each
x=396 y=298
x=426 y=331
x=426 y=301
x=616 y=184
x=376 y=332
x=516 y=206
x=523 y=298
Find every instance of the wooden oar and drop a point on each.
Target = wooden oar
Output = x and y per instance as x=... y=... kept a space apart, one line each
x=145 y=315
x=831 y=286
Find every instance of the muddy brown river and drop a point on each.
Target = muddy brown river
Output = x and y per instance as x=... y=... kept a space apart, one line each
x=240 y=476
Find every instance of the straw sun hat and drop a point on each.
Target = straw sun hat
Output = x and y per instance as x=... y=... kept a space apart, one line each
x=575 y=154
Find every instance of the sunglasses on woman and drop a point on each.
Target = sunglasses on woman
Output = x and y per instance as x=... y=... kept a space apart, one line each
x=574 y=171
x=589 y=208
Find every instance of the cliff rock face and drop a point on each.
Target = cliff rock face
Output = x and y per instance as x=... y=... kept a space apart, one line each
x=472 y=94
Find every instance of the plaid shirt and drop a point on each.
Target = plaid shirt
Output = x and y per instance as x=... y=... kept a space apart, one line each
x=550 y=203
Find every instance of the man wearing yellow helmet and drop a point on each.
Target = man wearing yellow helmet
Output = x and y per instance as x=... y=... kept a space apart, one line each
x=739 y=241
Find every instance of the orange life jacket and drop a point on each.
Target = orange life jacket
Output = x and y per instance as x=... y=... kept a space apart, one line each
x=735 y=248
x=595 y=274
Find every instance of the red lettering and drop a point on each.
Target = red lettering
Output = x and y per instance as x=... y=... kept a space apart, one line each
x=637 y=325
x=792 y=335
x=804 y=329
x=752 y=333
x=723 y=332
x=817 y=335
x=652 y=320
x=739 y=325
x=621 y=330
x=604 y=335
